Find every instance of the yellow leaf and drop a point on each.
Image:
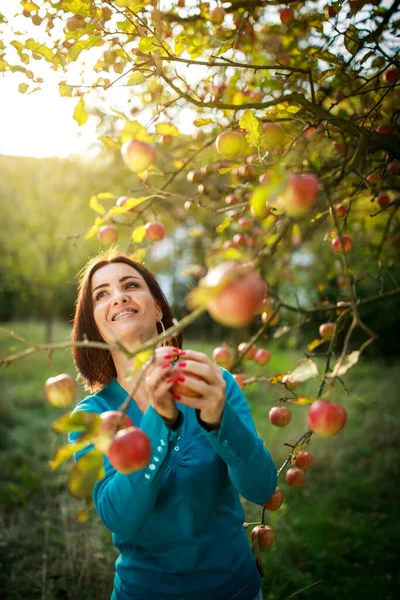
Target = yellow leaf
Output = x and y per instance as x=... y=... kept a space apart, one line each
x=133 y=129
x=301 y=400
x=65 y=452
x=148 y=44
x=80 y=114
x=22 y=88
x=139 y=255
x=342 y=367
x=253 y=127
x=202 y=122
x=141 y=359
x=130 y=203
x=306 y=369
x=226 y=170
x=91 y=232
x=222 y=226
x=138 y=234
x=108 y=141
x=276 y=378
x=167 y=129
x=29 y=6
x=314 y=344
x=106 y=196
x=81 y=7
x=87 y=470
x=64 y=90
x=266 y=194
x=96 y=206
x=79 y=421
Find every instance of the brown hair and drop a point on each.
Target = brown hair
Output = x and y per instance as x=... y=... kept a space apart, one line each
x=95 y=366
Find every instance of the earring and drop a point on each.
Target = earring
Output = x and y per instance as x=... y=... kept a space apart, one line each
x=163 y=331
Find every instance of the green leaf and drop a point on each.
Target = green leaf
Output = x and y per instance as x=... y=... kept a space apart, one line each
x=226 y=46
x=79 y=7
x=88 y=469
x=80 y=114
x=39 y=50
x=78 y=47
x=79 y=421
x=65 y=452
x=148 y=44
x=253 y=127
x=352 y=40
x=201 y=122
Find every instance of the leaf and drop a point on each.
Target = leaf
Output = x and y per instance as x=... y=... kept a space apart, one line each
x=79 y=421
x=314 y=344
x=64 y=90
x=38 y=49
x=306 y=369
x=92 y=232
x=148 y=44
x=139 y=255
x=167 y=129
x=138 y=234
x=65 y=452
x=202 y=122
x=78 y=47
x=87 y=470
x=224 y=225
x=80 y=114
x=352 y=40
x=301 y=400
x=81 y=7
x=253 y=127
x=226 y=170
x=96 y=206
x=226 y=46
x=342 y=367
x=133 y=129
x=276 y=378
x=280 y=332
x=30 y=6
x=141 y=359
x=109 y=141
x=106 y=196
x=22 y=88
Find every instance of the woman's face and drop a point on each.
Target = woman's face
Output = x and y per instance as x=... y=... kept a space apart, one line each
x=123 y=307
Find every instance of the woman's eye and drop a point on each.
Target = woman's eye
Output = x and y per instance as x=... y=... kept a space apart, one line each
x=132 y=284
x=99 y=295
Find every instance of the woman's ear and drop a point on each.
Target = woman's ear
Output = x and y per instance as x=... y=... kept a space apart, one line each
x=159 y=313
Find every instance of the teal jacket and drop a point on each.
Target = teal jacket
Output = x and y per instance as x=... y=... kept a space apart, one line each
x=178 y=523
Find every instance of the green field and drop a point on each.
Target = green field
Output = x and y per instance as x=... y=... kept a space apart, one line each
x=339 y=534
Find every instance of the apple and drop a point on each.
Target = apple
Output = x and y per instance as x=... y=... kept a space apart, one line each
x=374 y=178
x=249 y=355
x=223 y=357
x=240 y=291
x=195 y=176
x=280 y=416
x=154 y=231
x=60 y=390
x=262 y=356
x=130 y=450
x=107 y=12
x=264 y=178
x=111 y=422
x=304 y=460
x=391 y=75
x=393 y=167
x=326 y=418
x=240 y=378
x=330 y=12
x=138 y=156
x=342 y=305
x=217 y=15
x=178 y=387
x=107 y=235
x=289 y=383
x=388 y=130
x=231 y=199
x=122 y=200
x=274 y=136
x=383 y=200
x=245 y=223
x=229 y=143
x=286 y=16
x=342 y=281
x=266 y=315
x=295 y=477
x=347 y=243
x=75 y=22
x=300 y=194
x=275 y=501
x=326 y=330
x=263 y=537
x=340 y=210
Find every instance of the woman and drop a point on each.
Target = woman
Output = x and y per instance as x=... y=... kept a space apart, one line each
x=178 y=523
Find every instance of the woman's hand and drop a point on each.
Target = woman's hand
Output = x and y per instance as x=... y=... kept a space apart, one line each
x=158 y=382
x=210 y=387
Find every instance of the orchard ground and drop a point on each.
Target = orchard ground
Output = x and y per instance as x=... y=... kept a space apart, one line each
x=339 y=532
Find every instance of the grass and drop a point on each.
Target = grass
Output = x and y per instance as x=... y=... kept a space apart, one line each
x=339 y=534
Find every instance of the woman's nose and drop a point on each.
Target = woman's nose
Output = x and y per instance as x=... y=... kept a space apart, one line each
x=119 y=298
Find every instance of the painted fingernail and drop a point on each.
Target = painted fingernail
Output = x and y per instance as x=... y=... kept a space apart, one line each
x=182 y=352
x=170 y=380
x=165 y=365
x=175 y=350
x=177 y=396
x=167 y=356
x=181 y=378
x=181 y=364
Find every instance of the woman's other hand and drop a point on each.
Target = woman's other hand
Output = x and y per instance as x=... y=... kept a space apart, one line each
x=158 y=383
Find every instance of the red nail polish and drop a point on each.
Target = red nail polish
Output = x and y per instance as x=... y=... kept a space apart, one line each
x=167 y=356
x=170 y=380
x=165 y=365
x=181 y=364
x=176 y=350
x=182 y=352
x=180 y=378
x=177 y=396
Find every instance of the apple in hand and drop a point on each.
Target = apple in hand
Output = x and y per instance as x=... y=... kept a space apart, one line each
x=295 y=477
x=223 y=357
x=327 y=330
x=107 y=235
x=130 y=450
x=280 y=416
x=60 y=390
x=326 y=418
x=111 y=422
x=304 y=460
x=178 y=386
x=154 y=231
x=138 y=156
x=275 y=501
x=263 y=537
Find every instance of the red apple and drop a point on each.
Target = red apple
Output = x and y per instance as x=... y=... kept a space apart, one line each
x=347 y=243
x=374 y=178
x=326 y=418
x=326 y=330
x=241 y=291
x=195 y=176
x=60 y=390
x=383 y=200
x=275 y=501
x=138 y=156
x=329 y=11
x=179 y=388
x=107 y=235
x=112 y=421
x=274 y=135
x=263 y=537
x=304 y=460
x=340 y=210
x=388 y=129
x=286 y=16
x=391 y=75
x=342 y=305
x=240 y=378
x=300 y=194
x=122 y=200
x=295 y=477
x=223 y=357
x=154 y=231
x=393 y=167
x=245 y=223
x=229 y=143
x=280 y=416
x=130 y=450
x=232 y=199
x=262 y=356
x=217 y=15
x=249 y=355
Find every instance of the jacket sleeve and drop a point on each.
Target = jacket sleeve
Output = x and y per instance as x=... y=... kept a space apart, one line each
x=125 y=502
x=250 y=466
